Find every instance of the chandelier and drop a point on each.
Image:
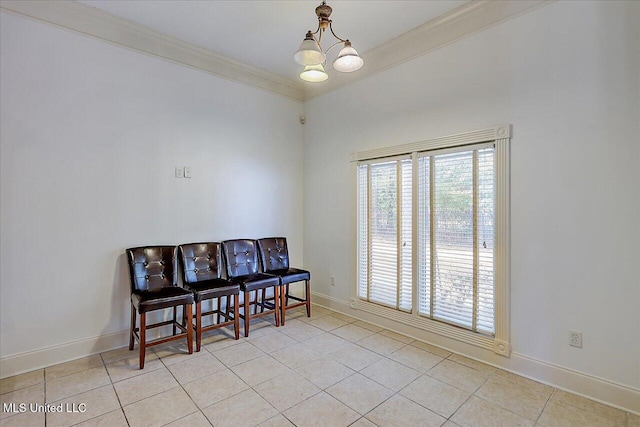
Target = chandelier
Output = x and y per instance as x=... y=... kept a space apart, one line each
x=311 y=55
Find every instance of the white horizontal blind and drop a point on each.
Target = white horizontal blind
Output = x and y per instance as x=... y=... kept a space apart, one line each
x=384 y=232
x=363 y=231
x=486 y=240
x=406 y=262
x=456 y=237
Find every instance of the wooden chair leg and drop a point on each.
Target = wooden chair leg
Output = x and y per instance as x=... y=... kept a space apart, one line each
x=276 y=303
x=236 y=318
x=219 y=306
x=307 y=294
x=174 y=319
x=283 y=303
x=143 y=338
x=198 y=325
x=286 y=302
x=133 y=327
x=247 y=314
x=264 y=297
x=190 y=328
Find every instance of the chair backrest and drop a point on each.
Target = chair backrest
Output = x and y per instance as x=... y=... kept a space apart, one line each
x=241 y=257
x=200 y=261
x=273 y=253
x=152 y=267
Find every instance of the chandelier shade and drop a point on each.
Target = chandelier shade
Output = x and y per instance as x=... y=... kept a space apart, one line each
x=314 y=73
x=309 y=52
x=348 y=59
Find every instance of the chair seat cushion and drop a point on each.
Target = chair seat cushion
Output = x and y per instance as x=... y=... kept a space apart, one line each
x=291 y=275
x=251 y=282
x=213 y=288
x=171 y=296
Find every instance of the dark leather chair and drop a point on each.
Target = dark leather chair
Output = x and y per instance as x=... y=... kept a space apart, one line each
x=241 y=257
x=275 y=260
x=201 y=267
x=153 y=271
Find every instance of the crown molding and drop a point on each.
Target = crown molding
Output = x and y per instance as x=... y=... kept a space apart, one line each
x=454 y=25
x=113 y=29
x=441 y=31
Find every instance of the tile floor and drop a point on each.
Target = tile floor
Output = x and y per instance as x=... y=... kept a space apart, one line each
x=327 y=370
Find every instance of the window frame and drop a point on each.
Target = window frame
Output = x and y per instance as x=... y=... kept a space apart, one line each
x=500 y=136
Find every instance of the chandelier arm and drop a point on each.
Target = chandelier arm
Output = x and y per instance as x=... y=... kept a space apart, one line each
x=332 y=46
x=334 y=34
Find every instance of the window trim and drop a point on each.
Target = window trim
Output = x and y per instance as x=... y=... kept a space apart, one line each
x=500 y=136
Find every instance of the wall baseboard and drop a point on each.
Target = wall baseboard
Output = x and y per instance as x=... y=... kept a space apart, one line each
x=48 y=356
x=598 y=389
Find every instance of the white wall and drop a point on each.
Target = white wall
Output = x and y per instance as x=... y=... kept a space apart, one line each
x=90 y=135
x=567 y=76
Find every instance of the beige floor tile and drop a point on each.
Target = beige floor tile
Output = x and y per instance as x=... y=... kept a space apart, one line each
x=197 y=419
x=21 y=381
x=435 y=395
x=500 y=376
x=327 y=323
x=370 y=326
x=117 y=354
x=480 y=413
x=200 y=365
x=296 y=355
x=561 y=414
x=390 y=374
x=363 y=422
x=321 y=410
x=360 y=393
x=273 y=342
x=299 y=330
x=25 y=419
x=285 y=391
x=326 y=343
x=145 y=385
x=432 y=349
x=396 y=336
x=160 y=409
x=318 y=311
x=633 y=420
x=277 y=421
x=238 y=354
x=355 y=357
x=381 y=344
x=343 y=317
x=259 y=370
x=76 y=383
x=111 y=419
x=450 y=424
x=219 y=339
x=473 y=364
x=130 y=367
x=213 y=388
x=401 y=412
x=243 y=409
x=260 y=327
x=458 y=375
x=415 y=358
x=172 y=352
x=590 y=406
x=73 y=367
x=517 y=396
x=24 y=396
x=352 y=332
x=98 y=402
x=324 y=372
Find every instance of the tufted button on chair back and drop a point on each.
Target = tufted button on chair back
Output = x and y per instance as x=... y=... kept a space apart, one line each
x=274 y=253
x=152 y=268
x=241 y=257
x=201 y=261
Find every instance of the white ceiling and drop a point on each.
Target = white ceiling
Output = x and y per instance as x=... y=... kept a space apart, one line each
x=265 y=34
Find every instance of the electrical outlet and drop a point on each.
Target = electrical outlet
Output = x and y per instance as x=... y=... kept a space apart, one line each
x=179 y=171
x=575 y=339
x=352 y=303
x=333 y=281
